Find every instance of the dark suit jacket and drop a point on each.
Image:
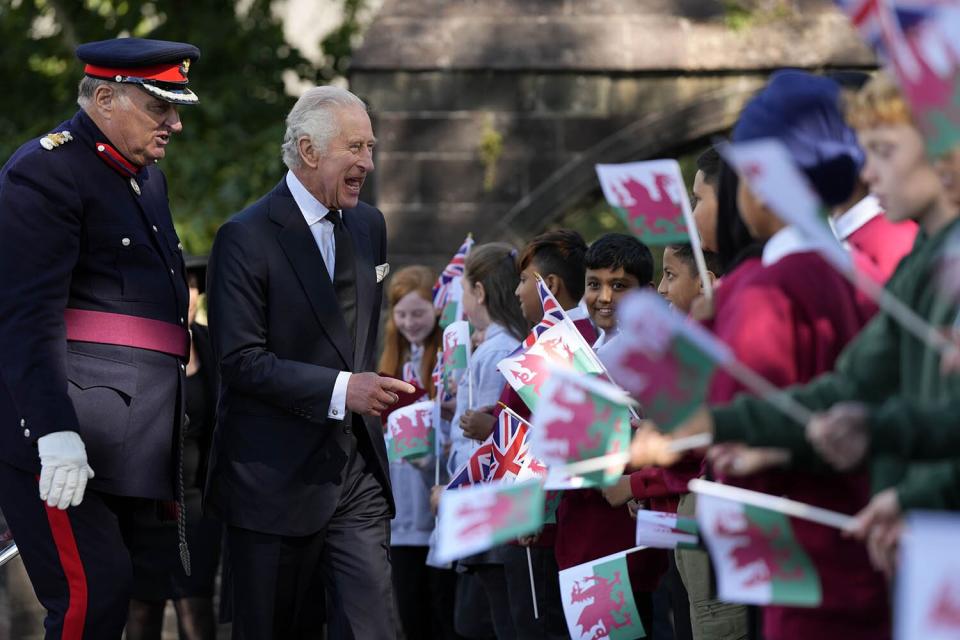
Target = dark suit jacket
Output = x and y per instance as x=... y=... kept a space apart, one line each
x=75 y=234
x=277 y=462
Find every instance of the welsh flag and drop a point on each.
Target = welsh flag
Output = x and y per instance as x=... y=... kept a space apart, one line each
x=580 y=417
x=456 y=352
x=476 y=518
x=598 y=600
x=650 y=198
x=453 y=306
x=665 y=361
x=663 y=530
x=410 y=431
x=928 y=580
x=755 y=556
x=561 y=347
x=448 y=291
x=917 y=41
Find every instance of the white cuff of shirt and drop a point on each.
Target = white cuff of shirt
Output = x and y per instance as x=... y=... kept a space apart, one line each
x=338 y=401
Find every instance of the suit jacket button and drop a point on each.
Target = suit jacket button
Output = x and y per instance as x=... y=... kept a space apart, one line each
x=347 y=430
x=23 y=422
x=26 y=433
x=125 y=242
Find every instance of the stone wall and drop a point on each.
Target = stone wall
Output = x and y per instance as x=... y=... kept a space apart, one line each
x=561 y=85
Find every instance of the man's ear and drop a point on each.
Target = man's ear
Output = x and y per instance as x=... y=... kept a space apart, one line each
x=308 y=152
x=105 y=99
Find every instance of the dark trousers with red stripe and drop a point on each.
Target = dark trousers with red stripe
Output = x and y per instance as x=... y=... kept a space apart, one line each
x=76 y=559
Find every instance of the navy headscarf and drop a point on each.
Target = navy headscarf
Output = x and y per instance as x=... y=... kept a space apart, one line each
x=803 y=112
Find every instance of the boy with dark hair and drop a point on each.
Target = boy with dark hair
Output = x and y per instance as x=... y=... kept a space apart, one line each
x=616 y=263
x=587 y=526
x=558 y=257
x=681 y=284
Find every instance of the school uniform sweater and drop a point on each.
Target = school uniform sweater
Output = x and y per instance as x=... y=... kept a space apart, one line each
x=788 y=322
x=868 y=233
x=883 y=362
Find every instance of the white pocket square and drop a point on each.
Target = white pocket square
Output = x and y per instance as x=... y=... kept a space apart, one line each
x=382 y=271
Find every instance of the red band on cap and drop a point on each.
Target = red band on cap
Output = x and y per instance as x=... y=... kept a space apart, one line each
x=160 y=73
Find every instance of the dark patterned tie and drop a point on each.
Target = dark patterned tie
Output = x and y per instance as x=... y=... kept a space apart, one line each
x=344 y=273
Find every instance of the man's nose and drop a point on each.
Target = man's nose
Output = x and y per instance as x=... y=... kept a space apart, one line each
x=366 y=160
x=173 y=120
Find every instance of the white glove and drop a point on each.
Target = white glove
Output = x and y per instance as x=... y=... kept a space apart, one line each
x=63 y=469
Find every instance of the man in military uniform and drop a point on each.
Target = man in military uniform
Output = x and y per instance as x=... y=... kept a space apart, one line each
x=93 y=340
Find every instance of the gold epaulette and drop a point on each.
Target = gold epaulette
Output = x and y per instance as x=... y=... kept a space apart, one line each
x=53 y=140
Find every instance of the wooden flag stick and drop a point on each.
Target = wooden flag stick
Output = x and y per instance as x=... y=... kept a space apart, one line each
x=696 y=245
x=600 y=463
x=904 y=315
x=773 y=503
x=763 y=388
x=698 y=441
x=533 y=586
x=8 y=554
x=590 y=465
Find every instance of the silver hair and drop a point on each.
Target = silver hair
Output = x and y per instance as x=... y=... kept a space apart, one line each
x=314 y=116
x=88 y=87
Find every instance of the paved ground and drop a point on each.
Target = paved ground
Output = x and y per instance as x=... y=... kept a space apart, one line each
x=21 y=616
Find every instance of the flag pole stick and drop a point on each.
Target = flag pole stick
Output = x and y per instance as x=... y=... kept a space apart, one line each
x=11 y=552
x=904 y=315
x=763 y=388
x=470 y=388
x=533 y=586
x=697 y=247
x=600 y=463
x=773 y=503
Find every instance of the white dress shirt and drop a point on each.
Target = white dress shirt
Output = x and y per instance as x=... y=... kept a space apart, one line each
x=314 y=212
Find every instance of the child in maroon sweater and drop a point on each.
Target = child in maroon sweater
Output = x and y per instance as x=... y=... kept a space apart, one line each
x=788 y=319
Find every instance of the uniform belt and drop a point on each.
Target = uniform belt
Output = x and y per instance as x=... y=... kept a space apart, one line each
x=127 y=331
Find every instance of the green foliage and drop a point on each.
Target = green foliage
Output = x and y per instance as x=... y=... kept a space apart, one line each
x=490 y=149
x=229 y=151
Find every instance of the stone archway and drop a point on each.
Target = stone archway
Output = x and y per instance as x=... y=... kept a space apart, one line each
x=650 y=136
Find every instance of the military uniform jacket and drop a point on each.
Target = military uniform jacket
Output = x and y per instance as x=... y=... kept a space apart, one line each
x=77 y=233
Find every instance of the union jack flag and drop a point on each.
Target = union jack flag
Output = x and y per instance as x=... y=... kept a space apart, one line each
x=451 y=272
x=476 y=469
x=504 y=455
x=510 y=446
x=885 y=25
x=553 y=314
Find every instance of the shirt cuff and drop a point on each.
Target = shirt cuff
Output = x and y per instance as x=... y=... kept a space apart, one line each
x=338 y=401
